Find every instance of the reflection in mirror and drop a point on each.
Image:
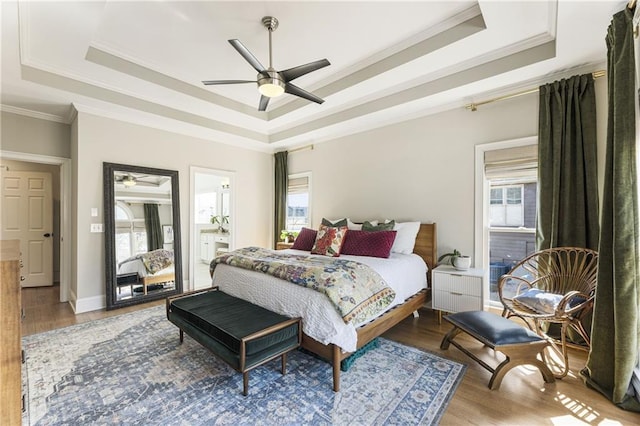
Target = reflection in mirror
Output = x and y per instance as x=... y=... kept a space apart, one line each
x=142 y=234
x=211 y=223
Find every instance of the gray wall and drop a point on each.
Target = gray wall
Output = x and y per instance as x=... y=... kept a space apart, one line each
x=422 y=169
x=34 y=136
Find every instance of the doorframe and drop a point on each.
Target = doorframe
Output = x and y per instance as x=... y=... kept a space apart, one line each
x=65 y=210
x=193 y=241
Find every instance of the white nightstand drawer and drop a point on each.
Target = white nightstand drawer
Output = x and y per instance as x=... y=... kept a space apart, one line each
x=221 y=239
x=451 y=301
x=459 y=283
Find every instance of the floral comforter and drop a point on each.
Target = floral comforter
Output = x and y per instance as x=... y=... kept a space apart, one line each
x=357 y=291
x=153 y=261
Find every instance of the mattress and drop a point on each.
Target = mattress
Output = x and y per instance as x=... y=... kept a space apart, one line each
x=406 y=274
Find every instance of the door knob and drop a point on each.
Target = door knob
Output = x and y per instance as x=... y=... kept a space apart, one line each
x=47 y=235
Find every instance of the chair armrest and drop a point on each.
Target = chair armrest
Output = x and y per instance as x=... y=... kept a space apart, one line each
x=564 y=306
x=503 y=280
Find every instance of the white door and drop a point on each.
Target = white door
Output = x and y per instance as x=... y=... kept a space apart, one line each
x=26 y=214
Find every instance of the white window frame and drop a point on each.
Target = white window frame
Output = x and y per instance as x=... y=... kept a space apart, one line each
x=481 y=220
x=309 y=207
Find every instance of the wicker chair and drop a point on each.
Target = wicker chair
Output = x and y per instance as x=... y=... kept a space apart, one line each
x=552 y=286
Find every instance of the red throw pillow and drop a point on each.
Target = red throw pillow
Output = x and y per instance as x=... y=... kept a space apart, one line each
x=305 y=239
x=329 y=240
x=369 y=243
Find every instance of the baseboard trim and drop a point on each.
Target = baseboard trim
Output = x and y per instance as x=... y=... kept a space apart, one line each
x=88 y=304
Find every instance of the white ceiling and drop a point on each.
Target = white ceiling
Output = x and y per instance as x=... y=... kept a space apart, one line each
x=390 y=61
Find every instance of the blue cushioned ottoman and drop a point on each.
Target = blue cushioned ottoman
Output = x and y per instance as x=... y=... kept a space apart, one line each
x=520 y=345
x=240 y=333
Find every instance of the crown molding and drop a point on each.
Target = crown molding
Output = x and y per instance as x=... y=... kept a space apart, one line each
x=33 y=114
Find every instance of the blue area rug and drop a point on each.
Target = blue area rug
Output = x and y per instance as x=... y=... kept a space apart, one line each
x=131 y=369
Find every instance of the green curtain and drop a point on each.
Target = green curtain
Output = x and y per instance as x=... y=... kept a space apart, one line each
x=281 y=180
x=615 y=333
x=567 y=165
x=153 y=227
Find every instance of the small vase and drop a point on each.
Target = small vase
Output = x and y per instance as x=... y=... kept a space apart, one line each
x=462 y=263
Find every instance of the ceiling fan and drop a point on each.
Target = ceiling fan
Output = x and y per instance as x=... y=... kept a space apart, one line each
x=272 y=83
x=130 y=180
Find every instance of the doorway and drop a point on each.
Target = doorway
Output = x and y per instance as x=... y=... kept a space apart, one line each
x=26 y=200
x=61 y=193
x=211 y=224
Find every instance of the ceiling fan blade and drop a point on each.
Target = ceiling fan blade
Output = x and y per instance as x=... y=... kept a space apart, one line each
x=210 y=82
x=264 y=101
x=292 y=89
x=295 y=72
x=248 y=56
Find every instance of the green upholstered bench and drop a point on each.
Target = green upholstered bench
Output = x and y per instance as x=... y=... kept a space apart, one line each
x=520 y=345
x=240 y=333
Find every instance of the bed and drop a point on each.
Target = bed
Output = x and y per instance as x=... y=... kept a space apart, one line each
x=154 y=267
x=325 y=334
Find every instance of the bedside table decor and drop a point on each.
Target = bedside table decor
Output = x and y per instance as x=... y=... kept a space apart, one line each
x=457 y=291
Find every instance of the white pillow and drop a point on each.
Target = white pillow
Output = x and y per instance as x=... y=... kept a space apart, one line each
x=358 y=226
x=406 y=233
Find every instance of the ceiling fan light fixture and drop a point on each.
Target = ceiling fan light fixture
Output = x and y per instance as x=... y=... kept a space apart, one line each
x=271 y=86
x=128 y=181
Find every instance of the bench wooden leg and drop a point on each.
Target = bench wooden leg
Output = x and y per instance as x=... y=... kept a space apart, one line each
x=245 y=383
x=516 y=356
x=449 y=337
x=284 y=363
x=181 y=336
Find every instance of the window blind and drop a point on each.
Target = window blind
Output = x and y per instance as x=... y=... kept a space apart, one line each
x=298 y=185
x=519 y=163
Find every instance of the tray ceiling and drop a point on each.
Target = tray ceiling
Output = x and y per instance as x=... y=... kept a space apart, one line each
x=390 y=61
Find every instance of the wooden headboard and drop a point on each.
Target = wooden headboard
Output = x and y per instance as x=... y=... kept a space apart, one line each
x=427 y=246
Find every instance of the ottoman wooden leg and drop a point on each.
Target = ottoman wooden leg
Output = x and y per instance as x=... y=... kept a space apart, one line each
x=284 y=363
x=449 y=337
x=245 y=383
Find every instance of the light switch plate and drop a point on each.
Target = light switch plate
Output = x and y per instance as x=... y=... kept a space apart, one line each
x=96 y=227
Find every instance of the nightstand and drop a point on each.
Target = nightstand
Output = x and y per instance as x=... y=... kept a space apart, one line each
x=282 y=246
x=457 y=291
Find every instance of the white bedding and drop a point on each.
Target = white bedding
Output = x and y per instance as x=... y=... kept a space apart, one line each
x=405 y=273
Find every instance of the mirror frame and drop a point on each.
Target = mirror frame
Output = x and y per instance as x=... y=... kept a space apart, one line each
x=110 y=235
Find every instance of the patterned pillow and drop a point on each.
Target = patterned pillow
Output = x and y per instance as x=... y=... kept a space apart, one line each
x=539 y=301
x=305 y=239
x=336 y=223
x=368 y=226
x=367 y=243
x=329 y=240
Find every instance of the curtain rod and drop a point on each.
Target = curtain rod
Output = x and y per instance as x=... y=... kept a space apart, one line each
x=301 y=148
x=474 y=106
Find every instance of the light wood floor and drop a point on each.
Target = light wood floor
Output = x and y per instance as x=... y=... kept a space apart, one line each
x=523 y=398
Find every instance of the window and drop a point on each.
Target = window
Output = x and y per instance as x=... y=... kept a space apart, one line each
x=205 y=207
x=131 y=234
x=299 y=201
x=510 y=176
x=506 y=205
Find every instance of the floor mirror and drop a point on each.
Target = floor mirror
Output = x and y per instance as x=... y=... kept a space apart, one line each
x=142 y=234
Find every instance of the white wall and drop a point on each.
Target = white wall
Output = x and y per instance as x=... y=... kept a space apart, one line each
x=422 y=169
x=105 y=140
